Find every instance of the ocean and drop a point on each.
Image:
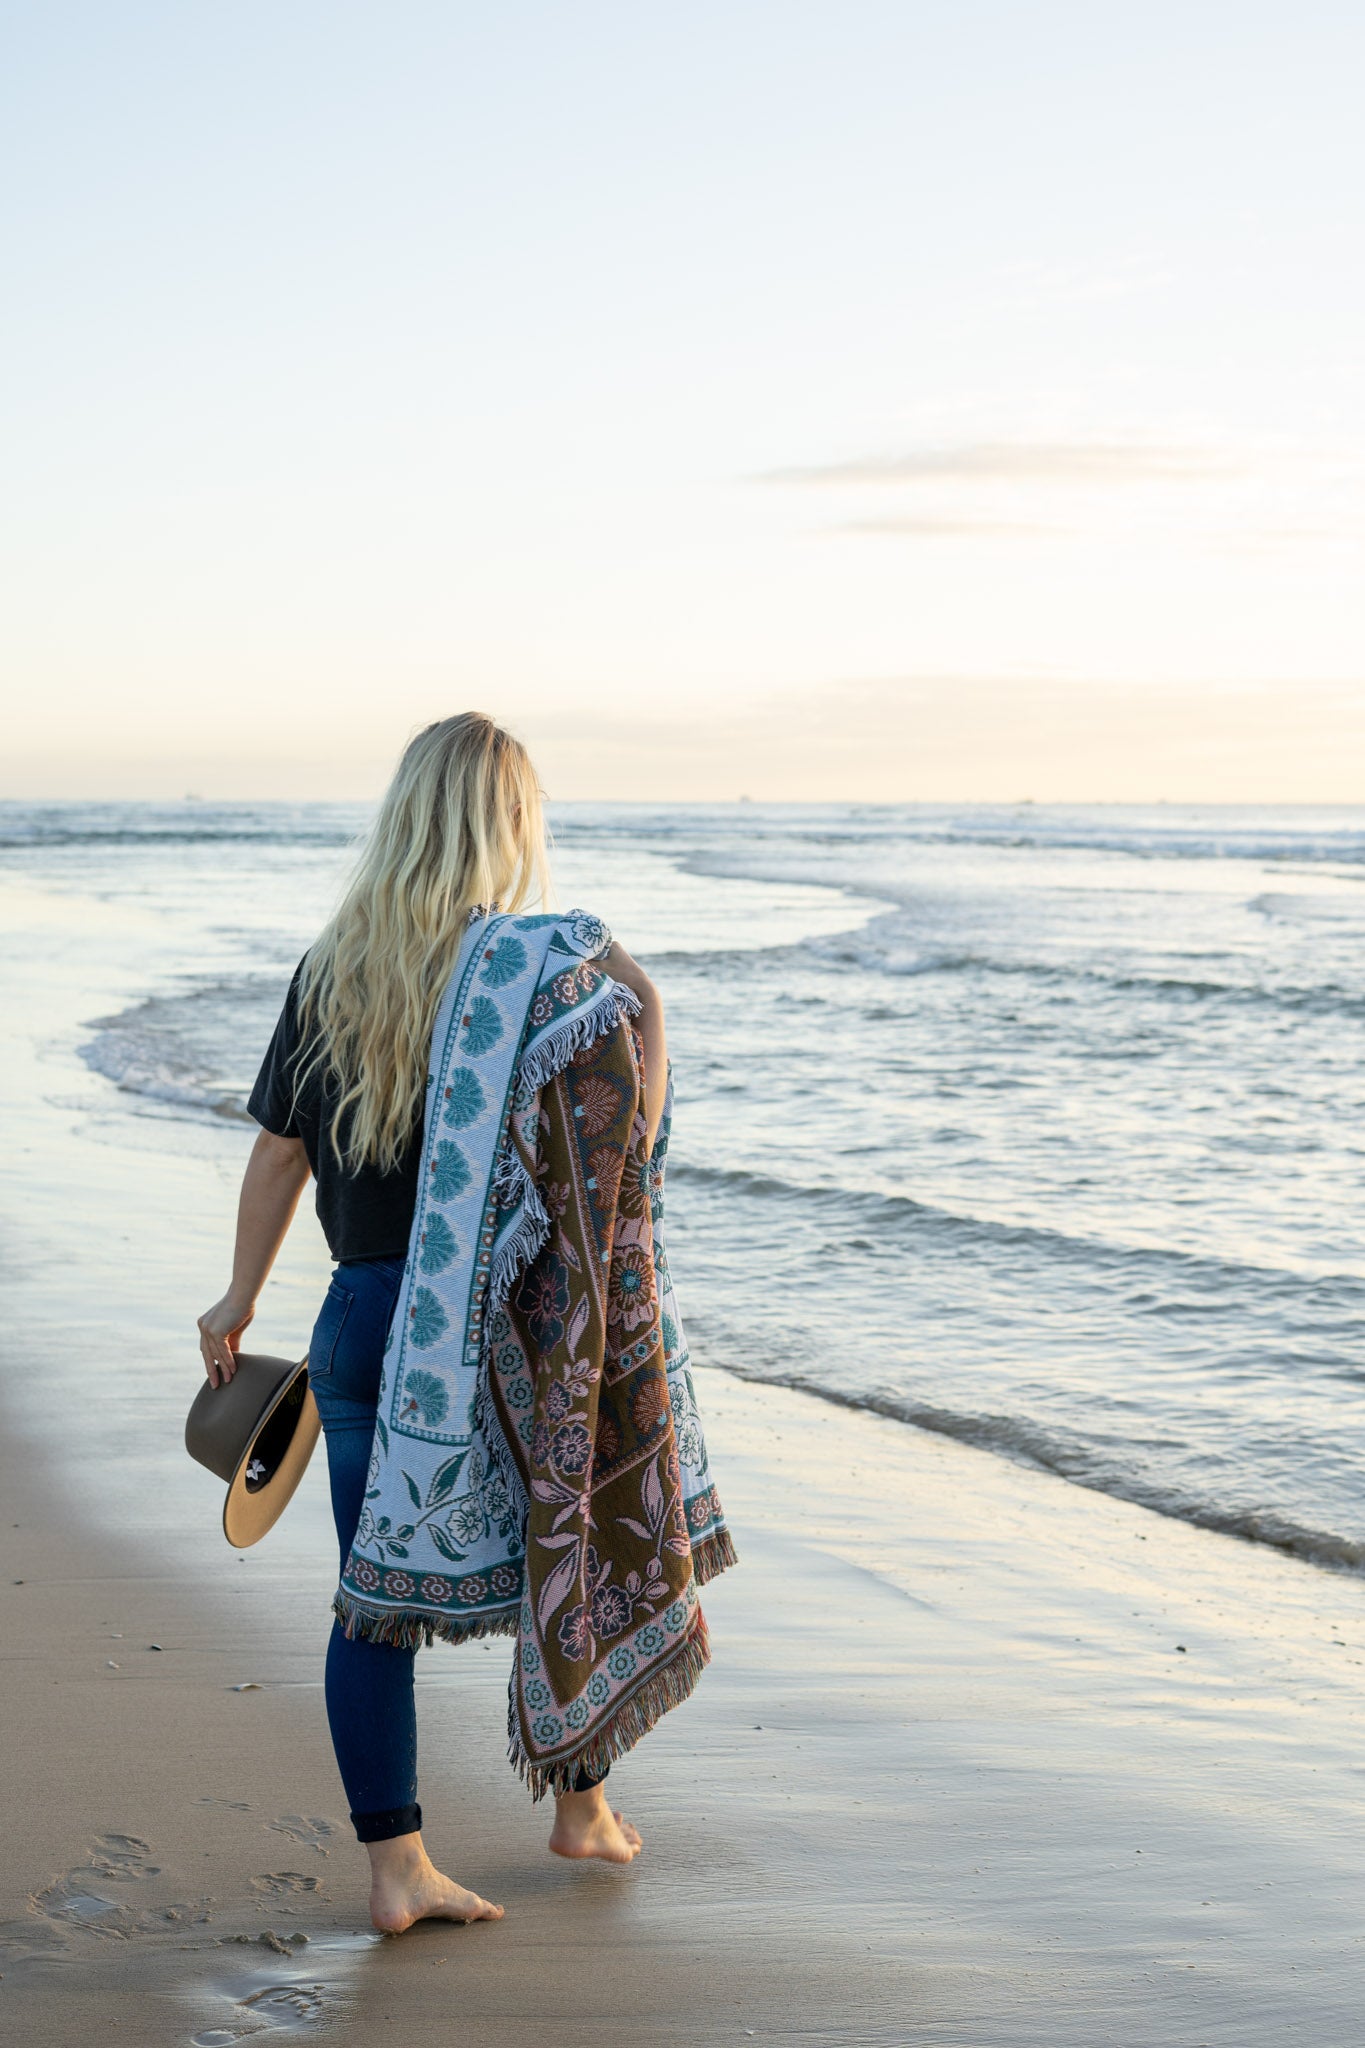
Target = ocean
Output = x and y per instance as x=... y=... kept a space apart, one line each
x=1038 y=1126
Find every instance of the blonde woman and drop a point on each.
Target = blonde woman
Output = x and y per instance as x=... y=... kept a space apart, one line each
x=341 y=1096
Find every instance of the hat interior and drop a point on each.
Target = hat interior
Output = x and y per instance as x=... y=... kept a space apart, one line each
x=272 y=1464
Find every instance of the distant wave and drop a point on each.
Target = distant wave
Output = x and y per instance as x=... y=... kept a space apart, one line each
x=896 y=1214
x=885 y=952
x=792 y=828
x=1025 y=1442
x=57 y=835
x=1329 y=835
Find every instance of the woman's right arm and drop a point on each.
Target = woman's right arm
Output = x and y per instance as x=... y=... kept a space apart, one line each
x=650 y=1025
x=276 y=1175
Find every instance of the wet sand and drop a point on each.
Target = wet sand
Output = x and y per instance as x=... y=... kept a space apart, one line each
x=981 y=1759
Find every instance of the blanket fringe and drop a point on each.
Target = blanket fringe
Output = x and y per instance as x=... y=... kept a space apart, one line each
x=515 y=1186
x=633 y=1719
x=409 y=1629
x=713 y=1555
x=613 y=1002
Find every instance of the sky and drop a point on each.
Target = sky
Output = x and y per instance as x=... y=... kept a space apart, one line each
x=845 y=400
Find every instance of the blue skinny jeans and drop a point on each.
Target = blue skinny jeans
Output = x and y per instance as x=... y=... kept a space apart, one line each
x=370 y=1705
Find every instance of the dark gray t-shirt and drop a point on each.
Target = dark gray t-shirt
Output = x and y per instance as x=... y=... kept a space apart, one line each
x=366 y=1214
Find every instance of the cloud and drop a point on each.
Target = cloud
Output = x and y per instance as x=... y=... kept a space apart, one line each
x=931 y=527
x=1060 y=462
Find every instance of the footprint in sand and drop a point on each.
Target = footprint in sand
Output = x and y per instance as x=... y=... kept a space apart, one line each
x=288 y=2006
x=122 y=1856
x=70 y=1901
x=313 y=1834
x=76 y=1900
x=279 y=1883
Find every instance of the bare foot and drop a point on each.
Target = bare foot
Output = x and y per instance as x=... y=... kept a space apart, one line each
x=406 y=1886
x=586 y=1826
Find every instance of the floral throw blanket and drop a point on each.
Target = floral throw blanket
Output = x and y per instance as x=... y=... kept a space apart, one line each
x=539 y=1467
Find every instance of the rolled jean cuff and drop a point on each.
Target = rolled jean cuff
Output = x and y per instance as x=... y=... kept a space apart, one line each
x=382 y=1827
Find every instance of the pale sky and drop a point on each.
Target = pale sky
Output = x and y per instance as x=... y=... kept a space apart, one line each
x=844 y=400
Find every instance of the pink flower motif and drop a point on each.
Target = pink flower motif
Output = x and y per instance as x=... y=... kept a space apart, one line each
x=575 y=1639
x=504 y=1579
x=434 y=1587
x=364 y=1574
x=400 y=1585
x=571 y=1449
x=472 y=1590
x=610 y=1611
x=543 y=1299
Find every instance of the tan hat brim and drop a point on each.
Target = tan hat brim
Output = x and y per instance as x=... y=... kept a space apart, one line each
x=246 y=1515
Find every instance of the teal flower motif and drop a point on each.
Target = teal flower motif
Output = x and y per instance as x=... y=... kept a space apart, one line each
x=599 y=1689
x=675 y=1617
x=467 y=1521
x=588 y=931
x=429 y=1321
x=424 y=1399
x=548 y=1730
x=691 y=1449
x=650 y=1640
x=464 y=1099
x=449 y=1171
x=530 y=1657
x=538 y=1693
x=482 y=1026
x=439 y=1248
x=621 y=1662
x=576 y=1714
x=670 y=1335
x=505 y=962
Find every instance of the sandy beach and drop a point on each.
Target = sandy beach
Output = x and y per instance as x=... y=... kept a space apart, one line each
x=983 y=1757
x=847 y=520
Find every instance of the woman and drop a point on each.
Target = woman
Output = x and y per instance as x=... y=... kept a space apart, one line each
x=458 y=845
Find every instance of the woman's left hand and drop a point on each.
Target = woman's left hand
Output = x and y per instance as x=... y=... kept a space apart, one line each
x=220 y=1329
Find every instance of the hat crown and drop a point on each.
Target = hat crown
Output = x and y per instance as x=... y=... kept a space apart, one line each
x=256 y=1431
x=223 y=1420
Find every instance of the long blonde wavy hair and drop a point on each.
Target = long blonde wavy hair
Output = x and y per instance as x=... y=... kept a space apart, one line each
x=460 y=827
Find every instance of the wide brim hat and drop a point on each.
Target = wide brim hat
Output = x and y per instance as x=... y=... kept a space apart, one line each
x=257 y=1432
